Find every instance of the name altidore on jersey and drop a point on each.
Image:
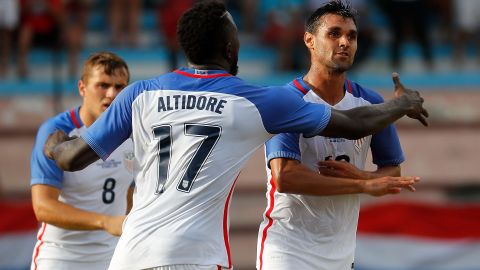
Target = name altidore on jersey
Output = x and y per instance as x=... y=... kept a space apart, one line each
x=190 y=102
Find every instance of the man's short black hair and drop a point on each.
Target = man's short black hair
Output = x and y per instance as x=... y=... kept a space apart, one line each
x=202 y=31
x=337 y=7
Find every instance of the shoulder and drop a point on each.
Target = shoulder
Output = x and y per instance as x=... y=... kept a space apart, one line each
x=61 y=121
x=365 y=93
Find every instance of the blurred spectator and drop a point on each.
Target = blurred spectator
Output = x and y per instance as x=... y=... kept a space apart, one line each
x=168 y=13
x=9 y=17
x=467 y=22
x=284 y=30
x=364 y=26
x=75 y=31
x=41 y=24
x=125 y=21
x=407 y=16
x=442 y=11
x=245 y=14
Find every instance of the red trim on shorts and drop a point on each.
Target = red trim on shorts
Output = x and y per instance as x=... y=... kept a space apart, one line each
x=300 y=87
x=74 y=118
x=270 y=220
x=200 y=76
x=37 y=249
x=225 y=224
x=349 y=86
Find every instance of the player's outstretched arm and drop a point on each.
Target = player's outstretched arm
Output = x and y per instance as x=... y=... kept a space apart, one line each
x=291 y=176
x=50 y=210
x=362 y=121
x=70 y=154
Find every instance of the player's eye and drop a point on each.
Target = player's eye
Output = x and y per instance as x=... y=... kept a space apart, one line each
x=334 y=34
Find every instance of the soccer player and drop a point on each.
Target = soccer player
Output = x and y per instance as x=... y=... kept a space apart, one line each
x=302 y=229
x=82 y=212
x=193 y=130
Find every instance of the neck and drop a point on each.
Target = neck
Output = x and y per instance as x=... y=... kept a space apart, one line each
x=210 y=66
x=86 y=118
x=327 y=84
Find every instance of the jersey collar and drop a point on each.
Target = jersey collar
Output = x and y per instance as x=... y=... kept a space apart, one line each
x=75 y=117
x=300 y=85
x=303 y=87
x=202 y=74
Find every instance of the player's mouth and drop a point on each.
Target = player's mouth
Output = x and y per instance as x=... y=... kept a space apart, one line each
x=105 y=105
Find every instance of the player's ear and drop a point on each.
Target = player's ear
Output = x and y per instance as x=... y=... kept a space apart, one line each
x=309 y=40
x=81 y=88
x=229 y=51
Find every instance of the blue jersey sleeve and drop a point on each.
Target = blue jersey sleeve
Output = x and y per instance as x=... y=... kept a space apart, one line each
x=386 y=149
x=42 y=169
x=385 y=145
x=114 y=126
x=286 y=111
x=284 y=145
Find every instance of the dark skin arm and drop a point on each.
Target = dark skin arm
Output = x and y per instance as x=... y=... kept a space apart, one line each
x=70 y=154
x=75 y=154
x=362 y=121
x=291 y=176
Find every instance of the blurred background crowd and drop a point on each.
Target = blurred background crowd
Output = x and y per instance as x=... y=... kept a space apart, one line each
x=433 y=44
x=389 y=31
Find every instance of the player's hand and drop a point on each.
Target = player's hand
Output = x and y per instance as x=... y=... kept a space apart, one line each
x=52 y=141
x=341 y=169
x=413 y=99
x=113 y=225
x=389 y=185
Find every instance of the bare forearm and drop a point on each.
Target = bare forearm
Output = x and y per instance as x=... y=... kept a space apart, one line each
x=312 y=183
x=68 y=217
x=365 y=120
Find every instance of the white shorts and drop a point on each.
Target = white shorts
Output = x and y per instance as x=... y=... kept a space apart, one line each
x=9 y=14
x=47 y=264
x=187 y=267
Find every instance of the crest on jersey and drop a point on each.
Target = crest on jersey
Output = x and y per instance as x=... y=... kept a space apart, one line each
x=359 y=143
x=128 y=160
x=185 y=183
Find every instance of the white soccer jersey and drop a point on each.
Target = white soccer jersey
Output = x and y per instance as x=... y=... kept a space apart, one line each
x=101 y=187
x=318 y=232
x=193 y=130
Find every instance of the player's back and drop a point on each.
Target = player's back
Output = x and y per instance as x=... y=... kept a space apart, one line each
x=193 y=131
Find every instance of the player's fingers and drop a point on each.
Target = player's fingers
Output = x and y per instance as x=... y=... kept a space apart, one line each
x=327 y=171
x=422 y=120
x=425 y=112
x=396 y=80
x=329 y=163
x=410 y=188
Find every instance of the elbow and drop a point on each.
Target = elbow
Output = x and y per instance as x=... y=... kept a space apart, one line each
x=69 y=164
x=281 y=181
x=40 y=212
